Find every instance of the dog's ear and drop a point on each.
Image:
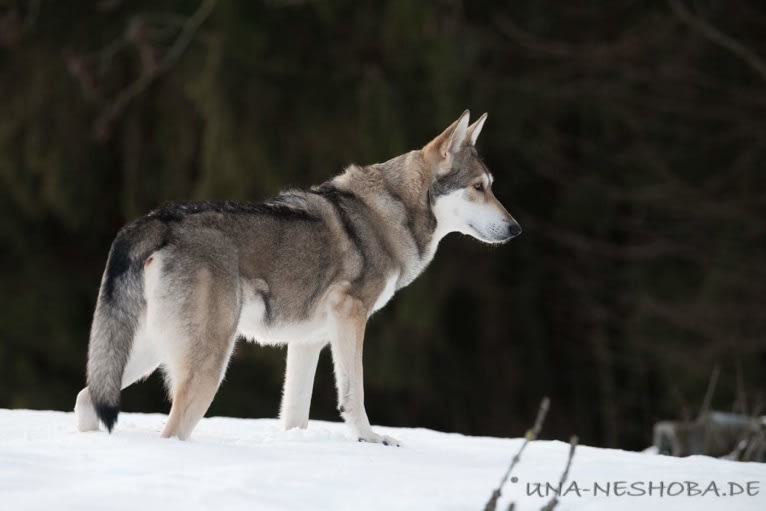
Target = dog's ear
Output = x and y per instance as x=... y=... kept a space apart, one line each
x=472 y=133
x=441 y=149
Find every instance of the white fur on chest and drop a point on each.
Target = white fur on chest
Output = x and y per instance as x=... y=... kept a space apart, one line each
x=388 y=292
x=417 y=264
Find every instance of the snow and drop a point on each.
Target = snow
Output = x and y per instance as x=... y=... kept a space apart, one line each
x=251 y=464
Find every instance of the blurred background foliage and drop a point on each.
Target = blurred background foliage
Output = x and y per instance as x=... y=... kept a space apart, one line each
x=627 y=137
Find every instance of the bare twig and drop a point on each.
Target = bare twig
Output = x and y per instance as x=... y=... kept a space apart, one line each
x=530 y=435
x=709 y=394
x=33 y=10
x=632 y=42
x=555 y=500
x=740 y=405
x=683 y=404
x=713 y=34
x=187 y=33
x=190 y=27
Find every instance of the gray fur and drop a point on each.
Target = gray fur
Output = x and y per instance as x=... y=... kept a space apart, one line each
x=187 y=279
x=465 y=169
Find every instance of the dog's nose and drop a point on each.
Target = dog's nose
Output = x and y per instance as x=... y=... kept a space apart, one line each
x=514 y=229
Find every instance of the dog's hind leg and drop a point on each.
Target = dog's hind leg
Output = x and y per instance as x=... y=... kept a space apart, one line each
x=299 y=382
x=144 y=358
x=194 y=377
x=193 y=391
x=84 y=412
x=201 y=339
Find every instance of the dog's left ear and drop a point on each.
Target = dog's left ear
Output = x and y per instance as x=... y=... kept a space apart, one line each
x=441 y=149
x=472 y=132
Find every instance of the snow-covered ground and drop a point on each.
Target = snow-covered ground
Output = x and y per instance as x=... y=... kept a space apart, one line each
x=249 y=464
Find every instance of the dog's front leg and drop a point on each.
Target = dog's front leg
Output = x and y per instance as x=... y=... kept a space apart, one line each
x=299 y=382
x=346 y=344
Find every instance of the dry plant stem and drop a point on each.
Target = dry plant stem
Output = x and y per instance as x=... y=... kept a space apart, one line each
x=555 y=500
x=740 y=405
x=530 y=435
x=190 y=27
x=713 y=34
x=710 y=390
x=33 y=10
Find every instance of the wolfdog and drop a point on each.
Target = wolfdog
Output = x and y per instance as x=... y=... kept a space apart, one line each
x=306 y=269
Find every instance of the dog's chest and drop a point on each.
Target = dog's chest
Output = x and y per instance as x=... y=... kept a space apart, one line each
x=389 y=288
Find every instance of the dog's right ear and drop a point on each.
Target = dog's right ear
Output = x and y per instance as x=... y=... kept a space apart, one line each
x=473 y=131
x=440 y=150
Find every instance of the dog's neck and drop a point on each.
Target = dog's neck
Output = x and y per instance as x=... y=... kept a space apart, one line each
x=397 y=192
x=414 y=191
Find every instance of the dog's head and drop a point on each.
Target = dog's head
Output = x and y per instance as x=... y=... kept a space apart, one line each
x=461 y=186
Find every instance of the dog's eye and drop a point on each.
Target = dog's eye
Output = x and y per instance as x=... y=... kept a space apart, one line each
x=479 y=187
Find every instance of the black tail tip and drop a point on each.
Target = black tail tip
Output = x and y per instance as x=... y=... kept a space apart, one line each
x=108 y=415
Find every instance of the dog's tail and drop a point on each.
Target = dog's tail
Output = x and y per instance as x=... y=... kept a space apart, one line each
x=120 y=301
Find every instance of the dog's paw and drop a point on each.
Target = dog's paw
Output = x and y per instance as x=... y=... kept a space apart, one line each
x=84 y=413
x=380 y=439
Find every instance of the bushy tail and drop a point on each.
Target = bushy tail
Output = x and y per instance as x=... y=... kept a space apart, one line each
x=115 y=321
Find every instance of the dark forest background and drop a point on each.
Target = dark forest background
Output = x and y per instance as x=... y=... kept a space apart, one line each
x=627 y=137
